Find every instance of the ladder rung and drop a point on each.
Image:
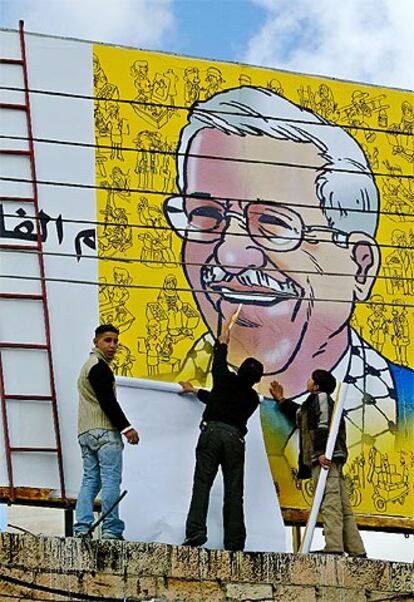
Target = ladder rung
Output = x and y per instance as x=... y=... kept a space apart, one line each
x=11 y=61
x=14 y=151
x=23 y=346
x=19 y=397
x=16 y=106
x=18 y=199
x=21 y=296
x=52 y=450
x=19 y=247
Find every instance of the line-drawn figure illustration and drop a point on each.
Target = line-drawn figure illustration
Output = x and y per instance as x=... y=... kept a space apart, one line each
x=156 y=249
x=377 y=322
x=123 y=361
x=360 y=110
x=389 y=484
x=117 y=126
x=142 y=83
x=322 y=100
x=167 y=167
x=113 y=299
x=394 y=201
x=401 y=137
x=147 y=158
x=192 y=88
x=169 y=321
x=274 y=85
x=152 y=94
x=214 y=81
x=156 y=242
x=399 y=265
x=120 y=183
x=356 y=479
x=372 y=155
x=245 y=79
x=274 y=238
x=104 y=90
x=152 y=348
x=180 y=317
x=149 y=215
x=101 y=133
x=116 y=234
x=400 y=332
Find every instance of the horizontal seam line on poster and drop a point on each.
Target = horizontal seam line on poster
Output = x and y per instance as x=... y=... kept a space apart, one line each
x=174 y=154
x=195 y=107
x=37 y=182
x=133 y=225
x=175 y=263
x=196 y=290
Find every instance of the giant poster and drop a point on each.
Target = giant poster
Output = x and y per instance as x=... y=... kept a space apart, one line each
x=220 y=184
x=173 y=190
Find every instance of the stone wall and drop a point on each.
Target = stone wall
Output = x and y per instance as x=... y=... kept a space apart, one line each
x=58 y=569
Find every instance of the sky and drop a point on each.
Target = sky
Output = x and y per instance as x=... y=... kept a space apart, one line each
x=368 y=41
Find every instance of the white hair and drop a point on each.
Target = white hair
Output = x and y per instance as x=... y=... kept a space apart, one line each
x=345 y=185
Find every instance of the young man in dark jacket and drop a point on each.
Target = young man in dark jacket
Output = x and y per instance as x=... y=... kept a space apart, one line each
x=313 y=419
x=229 y=405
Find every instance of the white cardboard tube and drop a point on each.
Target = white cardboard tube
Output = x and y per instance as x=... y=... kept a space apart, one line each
x=320 y=488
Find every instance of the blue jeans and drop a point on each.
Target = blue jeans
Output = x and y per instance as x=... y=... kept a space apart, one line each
x=102 y=470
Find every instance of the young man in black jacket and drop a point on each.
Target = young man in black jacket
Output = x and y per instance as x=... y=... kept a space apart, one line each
x=313 y=419
x=229 y=405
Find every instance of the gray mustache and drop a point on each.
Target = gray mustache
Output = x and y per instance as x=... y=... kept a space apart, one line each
x=249 y=277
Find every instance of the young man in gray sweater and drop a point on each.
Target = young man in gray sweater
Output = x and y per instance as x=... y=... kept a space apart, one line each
x=101 y=424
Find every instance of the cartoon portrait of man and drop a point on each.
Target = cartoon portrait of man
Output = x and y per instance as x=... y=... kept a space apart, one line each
x=278 y=210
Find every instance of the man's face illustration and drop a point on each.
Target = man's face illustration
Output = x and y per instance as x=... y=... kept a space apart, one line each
x=279 y=281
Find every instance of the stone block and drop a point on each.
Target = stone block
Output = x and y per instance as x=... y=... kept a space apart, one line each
x=181 y=590
x=294 y=593
x=58 y=584
x=401 y=577
x=102 y=585
x=362 y=573
x=376 y=596
x=335 y=594
x=144 y=587
x=313 y=569
x=249 y=591
x=144 y=559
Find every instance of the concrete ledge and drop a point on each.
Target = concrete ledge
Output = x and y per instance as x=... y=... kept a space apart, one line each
x=50 y=567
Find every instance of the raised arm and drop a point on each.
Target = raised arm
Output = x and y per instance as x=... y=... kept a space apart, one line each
x=288 y=407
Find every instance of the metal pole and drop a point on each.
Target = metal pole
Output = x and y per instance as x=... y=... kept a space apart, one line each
x=320 y=488
x=296 y=538
x=101 y=518
x=68 y=522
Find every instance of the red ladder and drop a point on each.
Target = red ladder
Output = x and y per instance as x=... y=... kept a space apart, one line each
x=32 y=201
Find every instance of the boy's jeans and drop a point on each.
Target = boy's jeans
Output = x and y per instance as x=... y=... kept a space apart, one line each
x=102 y=470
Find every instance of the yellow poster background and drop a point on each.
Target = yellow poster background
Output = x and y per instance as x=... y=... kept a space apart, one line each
x=139 y=112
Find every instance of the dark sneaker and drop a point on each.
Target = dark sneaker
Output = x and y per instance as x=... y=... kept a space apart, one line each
x=363 y=555
x=83 y=535
x=195 y=541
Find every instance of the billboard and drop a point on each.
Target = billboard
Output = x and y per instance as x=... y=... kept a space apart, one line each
x=184 y=187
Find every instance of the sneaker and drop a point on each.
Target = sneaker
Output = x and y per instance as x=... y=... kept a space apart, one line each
x=362 y=555
x=83 y=535
x=112 y=536
x=195 y=541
